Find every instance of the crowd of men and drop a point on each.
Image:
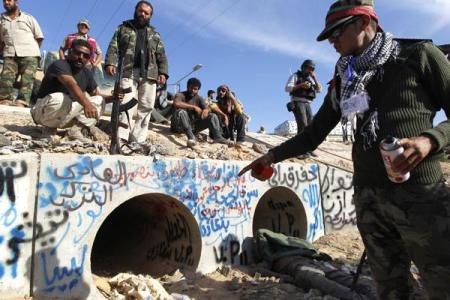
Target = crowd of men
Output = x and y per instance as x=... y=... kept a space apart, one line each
x=136 y=51
x=390 y=86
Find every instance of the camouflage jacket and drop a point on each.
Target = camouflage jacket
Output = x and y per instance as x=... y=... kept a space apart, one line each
x=124 y=43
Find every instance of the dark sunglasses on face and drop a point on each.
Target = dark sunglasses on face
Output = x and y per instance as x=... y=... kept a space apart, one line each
x=78 y=52
x=340 y=29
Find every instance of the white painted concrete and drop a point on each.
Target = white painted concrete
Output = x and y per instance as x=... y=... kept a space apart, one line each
x=18 y=179
x=155 y=216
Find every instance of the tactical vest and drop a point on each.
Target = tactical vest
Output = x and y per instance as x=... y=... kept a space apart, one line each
x=72 y=37
x=310 y=93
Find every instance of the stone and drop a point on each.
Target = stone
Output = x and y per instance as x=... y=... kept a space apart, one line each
x=234 y=284
x=225 y=270
x=6 y=151
x=259 y=148
x=191 y=155
x=4 y=141
x=3 y=130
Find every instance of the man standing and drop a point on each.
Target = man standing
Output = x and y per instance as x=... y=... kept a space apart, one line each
x=139 y=48
x=394 y=88
x=192 y=115
x=302 y=87
x=83 y=28
x=61 y=99
x=20 y=39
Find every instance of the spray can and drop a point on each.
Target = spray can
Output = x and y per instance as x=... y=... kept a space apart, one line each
x=264 y=172
x=390 y=149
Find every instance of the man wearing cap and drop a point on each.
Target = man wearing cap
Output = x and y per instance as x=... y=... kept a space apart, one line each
x=20 y=39
x=393 y=87
x=302 y=87
x=138 y=48
x=83 y=28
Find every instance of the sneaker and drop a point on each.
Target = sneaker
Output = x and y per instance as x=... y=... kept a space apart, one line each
x=20 y=103
x=312 y=154
x=223 y=141
x=191 y=143
x=75 y=134
x=6 y=102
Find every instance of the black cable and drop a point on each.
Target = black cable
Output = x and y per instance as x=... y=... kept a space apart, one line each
x=91 y=10
x=192 y=13
x=208 y=23
x=63 y=16
x=110 y=19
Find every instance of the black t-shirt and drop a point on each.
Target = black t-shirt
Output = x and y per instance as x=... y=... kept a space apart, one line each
x=196 y=100
x=50 y=84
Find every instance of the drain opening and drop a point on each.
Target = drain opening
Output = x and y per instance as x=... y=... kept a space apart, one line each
x=150 y=234
x=281 y=210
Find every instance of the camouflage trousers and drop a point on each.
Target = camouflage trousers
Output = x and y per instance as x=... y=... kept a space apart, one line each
x=13 y=67
x=406 y=223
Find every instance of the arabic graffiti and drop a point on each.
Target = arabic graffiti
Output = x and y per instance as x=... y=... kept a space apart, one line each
x=60 y=278
x=337 y=197
x=177 y=243
x=8 y=176
x=293 y=178
x=13 y=174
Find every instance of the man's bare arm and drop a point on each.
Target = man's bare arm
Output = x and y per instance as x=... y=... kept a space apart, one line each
x=77 y=94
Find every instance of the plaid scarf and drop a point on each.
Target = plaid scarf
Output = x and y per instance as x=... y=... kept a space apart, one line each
x=356 y=72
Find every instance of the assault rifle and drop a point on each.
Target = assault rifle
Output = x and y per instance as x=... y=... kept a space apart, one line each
x=117 y=108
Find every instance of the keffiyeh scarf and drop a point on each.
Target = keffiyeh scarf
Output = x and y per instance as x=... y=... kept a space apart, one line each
x=356 y=72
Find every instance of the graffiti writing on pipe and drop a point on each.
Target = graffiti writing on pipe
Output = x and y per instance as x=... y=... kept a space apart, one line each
x=230 y=252
x=337 y=197
x=177 y=245
x=294 y=177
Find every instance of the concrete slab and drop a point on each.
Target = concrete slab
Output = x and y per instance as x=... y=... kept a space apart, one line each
x=159 y=215
x=18 y=178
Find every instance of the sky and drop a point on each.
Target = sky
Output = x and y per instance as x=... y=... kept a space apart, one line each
x=250 y=45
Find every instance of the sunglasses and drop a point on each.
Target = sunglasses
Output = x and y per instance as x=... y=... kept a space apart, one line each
x=340 y=29
x=78 y=52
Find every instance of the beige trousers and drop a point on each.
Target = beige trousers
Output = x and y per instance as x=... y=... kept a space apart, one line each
x=58 y=110
x=144 y=91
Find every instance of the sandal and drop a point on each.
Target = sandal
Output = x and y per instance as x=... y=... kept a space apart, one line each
x=6 y=102
x=20 y=103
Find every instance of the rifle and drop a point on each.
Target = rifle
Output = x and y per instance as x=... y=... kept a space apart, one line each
x=117 y=108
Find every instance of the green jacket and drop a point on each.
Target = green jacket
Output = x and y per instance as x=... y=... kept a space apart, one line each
x=123 y=43
x=412 y=89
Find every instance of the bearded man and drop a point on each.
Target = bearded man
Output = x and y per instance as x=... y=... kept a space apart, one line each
x=140 y=51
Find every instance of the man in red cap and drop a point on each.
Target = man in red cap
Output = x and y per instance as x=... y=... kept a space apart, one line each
x=393 y=87
x=83 y=29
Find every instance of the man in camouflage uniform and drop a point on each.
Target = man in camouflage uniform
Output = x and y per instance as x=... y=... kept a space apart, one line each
x=139 y=48
x=393 y=87
x=20 y=39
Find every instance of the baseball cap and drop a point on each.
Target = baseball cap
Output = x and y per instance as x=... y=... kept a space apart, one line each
x=342 y=11
x=85 y=22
